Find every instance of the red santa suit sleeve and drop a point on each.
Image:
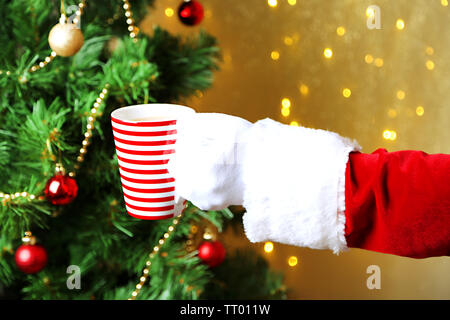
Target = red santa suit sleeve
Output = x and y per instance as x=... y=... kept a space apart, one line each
x=398 y=203
x=313 y=188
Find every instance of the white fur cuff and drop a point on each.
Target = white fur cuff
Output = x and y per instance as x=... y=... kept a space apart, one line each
x=294 y=190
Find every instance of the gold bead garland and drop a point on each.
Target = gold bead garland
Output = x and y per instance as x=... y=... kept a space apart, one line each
x=156 y=249
x=52 y=55
x=89 y=127
x=48 y=59
x=5 y=198
x=8 y=197
x=130 y=21
x=93 y=114
x=43 y=63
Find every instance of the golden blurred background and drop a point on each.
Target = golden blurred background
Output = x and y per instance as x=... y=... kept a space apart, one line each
x=318 y=64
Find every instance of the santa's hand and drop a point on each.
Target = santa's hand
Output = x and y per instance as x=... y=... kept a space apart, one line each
x=207 y=165
x=291 y=180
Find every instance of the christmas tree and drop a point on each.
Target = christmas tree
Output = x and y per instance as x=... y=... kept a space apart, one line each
x=64 y=68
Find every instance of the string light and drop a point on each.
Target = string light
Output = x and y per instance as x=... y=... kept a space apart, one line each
x=292 y=2
x=286 y=103
x=268 y=247
x=285 y=107
x=288 y=41
x=304 y=89
x=370 y=12
x=340 y=31
x=346 y=92
x=272 y=3
x=420 y=111
x=429 y=64
x=294 y=124
x=429 y=51
x=400 y=24
x=393 y=135
x=379 y=62
x=169 y=12
x=275 y=55
x=368 y=58
x=389 y=135
x=328 y=53
x=392 y=113
x=444 y=3
x=292 y=261
x=400 y=94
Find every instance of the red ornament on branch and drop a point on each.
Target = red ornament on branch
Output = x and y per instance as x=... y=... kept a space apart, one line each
x=30 y=258
x=190 y=12
x=61 y=189
x=212 y=253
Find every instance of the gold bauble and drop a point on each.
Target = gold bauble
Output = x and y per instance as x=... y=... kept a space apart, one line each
x=65 y=39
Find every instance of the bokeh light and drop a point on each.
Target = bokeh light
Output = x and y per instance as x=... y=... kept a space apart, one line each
x=169 y=12
x=401 y=94
x=268 y=247
x=389 y=135
x=400 y=24
x=292 y=261
x=328 y=53
x=275 y=55
x=286 y=103
x=368 y=58
x=370 y=12
x=272 y=3
x=346 y=92
x=288 y=41
x=392 y=113
x=304 y=89
x=420 y=111
x=340 y=31
x=379 y=62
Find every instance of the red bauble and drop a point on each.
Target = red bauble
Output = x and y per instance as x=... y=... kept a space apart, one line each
x=211 y=253
x=61 y=189
x=31 y=258
x=191 y=12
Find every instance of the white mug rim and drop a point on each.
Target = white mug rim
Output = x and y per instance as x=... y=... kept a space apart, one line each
x=165 y=110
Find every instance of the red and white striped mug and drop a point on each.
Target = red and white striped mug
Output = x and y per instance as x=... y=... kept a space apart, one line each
x=145 y=137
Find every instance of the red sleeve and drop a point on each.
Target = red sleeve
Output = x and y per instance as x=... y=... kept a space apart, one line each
x=398 y=203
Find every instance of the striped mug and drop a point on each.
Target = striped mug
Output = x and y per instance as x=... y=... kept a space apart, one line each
x=145 y=137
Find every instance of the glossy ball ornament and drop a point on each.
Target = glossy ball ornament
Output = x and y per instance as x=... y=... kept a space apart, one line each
x=65 y=39
x=61 y=189
x=191 y=12
x=31 y=258
x=212 y=253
